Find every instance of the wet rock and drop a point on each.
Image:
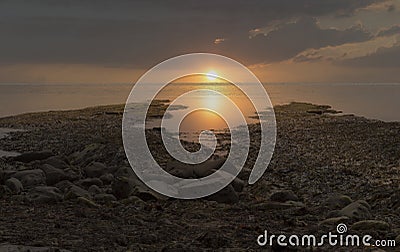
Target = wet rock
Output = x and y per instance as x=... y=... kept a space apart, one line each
x=358 y=210
x=226 y=195
x=94 y=189
x=338 y=202
x=33 y=156
x=104 y=198
x=15 y=185
x=283 y=196
x=334 y=221
x=31 y=178
x=95 y=170
x=75 y=192
x=107 y=178
x=45 y=194
x=371 y=225
x=87 y=202
x=183 y=170
x=64 y=185
x=53 y=175
x=86 y=183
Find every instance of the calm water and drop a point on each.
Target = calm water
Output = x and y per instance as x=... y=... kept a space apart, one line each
x=378 y=101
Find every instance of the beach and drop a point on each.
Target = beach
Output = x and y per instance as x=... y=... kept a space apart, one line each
x=80 y=193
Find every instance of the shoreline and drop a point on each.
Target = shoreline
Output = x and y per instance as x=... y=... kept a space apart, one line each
x=324 y=169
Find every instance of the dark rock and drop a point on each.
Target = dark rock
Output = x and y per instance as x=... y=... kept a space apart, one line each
x=89 y=154
x=338 y=202
x=214 y=239
x=371 y=225
x=30 y=178
x=53 y=175
x=107 y=178
x=75 y=192
x=87 y=202
x=23 y=248
x=122 y=187
x=283 y=196
x=64 y=185
x=90 y=181
x=32 y=156
x=95 y=170
x=45 y=194
x=226 y=195
x=104 y=198
x=57 y=162
x=94 y=189
x=334 y=221
x=4 y=191
x=358 y=210
x=15 y=185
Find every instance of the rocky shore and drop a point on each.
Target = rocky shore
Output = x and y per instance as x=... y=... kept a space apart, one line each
x=72 y=188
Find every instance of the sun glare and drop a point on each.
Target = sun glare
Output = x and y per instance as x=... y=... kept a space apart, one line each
x=211 y=76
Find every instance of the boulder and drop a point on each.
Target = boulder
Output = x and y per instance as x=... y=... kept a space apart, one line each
x=226 y=195
x=45 y=194
x=53 y=175
x=15 y=185
x=89 y=154
x=64 y=185
x=95 y=170
x=31 y=178
x=358 y=210
x=33 y=156
x=57 y=162
x=94 y=189
x=338 y=202
x=107 y=178
x=104 y=198
x=75 y=192
x=122 y=187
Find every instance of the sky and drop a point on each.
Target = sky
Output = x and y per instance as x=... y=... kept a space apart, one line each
x=85 y=41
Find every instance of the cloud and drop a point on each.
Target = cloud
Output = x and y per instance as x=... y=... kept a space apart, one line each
x=395 y=29
x=349 y=51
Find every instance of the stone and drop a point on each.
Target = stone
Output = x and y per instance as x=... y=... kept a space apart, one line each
x=226 y=195
x=274 y=205
x=95 y=170
x=104 y=198
x=75 y=192
x=338 y=202
x=238 y=184
x=358 y=210
x=57 y=162
x=371 y=225
x=334 y=220
x=31 y=178
x=86 y=183
x=45 y=194
x=107 y=178
x=4 y=191
x=94 y=189
x=15 y=185
x=64 y=185
x=134 y=200
x=397 y=239
x=33 y=156
x=53 y=175
x=5 y=174
x=283 y=196
x=86 y=202
x=122 y=187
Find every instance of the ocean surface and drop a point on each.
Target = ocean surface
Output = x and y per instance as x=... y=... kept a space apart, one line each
x=372 y=100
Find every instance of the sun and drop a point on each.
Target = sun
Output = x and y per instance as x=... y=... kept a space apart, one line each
x=211 y=76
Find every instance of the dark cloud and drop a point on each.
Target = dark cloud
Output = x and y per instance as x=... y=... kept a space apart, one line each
x=382 y=58
x=390 y=31
x=289 y=40
x=142 y=33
